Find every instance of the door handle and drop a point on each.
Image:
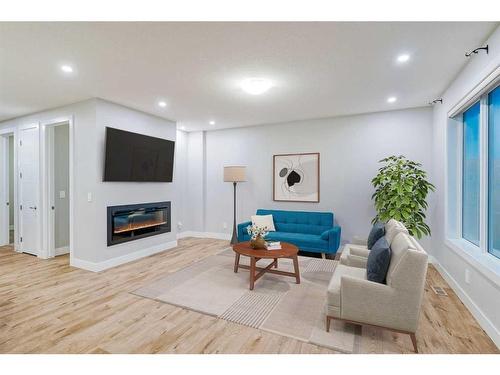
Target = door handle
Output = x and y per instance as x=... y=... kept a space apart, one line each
x=33 y=208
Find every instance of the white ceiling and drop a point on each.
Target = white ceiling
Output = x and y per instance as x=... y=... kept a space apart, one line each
x=319 y=69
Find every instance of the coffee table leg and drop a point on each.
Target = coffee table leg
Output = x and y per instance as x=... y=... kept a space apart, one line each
x=252 y=272
x=275 y=262
x=236 y=262
x=296 y=267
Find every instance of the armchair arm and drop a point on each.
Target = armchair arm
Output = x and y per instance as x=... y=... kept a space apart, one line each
x=359 y=251
x=334 y=239
x=377 y=304
x=356 y=261
x=242 y=230
x=359 y=241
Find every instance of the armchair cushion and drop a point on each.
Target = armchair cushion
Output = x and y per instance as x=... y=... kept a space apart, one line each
x=378 y=230
x=378 y=261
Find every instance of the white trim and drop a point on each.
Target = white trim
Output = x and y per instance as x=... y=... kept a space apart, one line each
x=219 y=236
x=48 y=224
x=487 y=83
x=481 y=318
x=483 y=262
x=110 y=263
x=61 y=250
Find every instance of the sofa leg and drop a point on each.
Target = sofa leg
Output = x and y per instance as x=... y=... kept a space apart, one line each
x=323 y=255
x=328 y=320
x=414 y=342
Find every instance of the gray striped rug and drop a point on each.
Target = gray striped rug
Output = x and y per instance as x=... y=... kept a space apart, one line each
x=252 y=309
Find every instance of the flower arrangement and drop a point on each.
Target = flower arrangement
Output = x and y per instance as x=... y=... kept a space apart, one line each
x=255 y=231
x=257 y=235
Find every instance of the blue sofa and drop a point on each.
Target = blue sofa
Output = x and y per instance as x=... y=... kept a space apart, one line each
x=309 y=231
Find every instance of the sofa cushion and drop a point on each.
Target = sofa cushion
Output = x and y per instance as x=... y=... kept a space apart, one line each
x=378 y=261
x=333 y=292
x=263 y=221
x=377 y=231
x=301 y=240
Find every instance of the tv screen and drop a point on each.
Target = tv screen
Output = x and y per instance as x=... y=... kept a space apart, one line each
x=136 y=157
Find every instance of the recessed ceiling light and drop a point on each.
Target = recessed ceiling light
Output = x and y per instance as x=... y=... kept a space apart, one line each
x=66 y=68
x=391 y=99
x=182 y=128
x=256 y=86
x=162 y=104
x=212 y=122
x=403 y=58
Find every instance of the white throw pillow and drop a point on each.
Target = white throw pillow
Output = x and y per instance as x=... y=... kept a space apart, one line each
x=264 y=221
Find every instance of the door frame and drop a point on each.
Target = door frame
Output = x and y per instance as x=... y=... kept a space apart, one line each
x=48 y=225
x=5 y=133
x=19 y=228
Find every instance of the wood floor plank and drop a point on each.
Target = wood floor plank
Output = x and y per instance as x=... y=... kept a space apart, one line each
x=46 y=306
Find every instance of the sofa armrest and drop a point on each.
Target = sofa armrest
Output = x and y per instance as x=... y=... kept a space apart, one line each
x=334 y=239
x=242 y=230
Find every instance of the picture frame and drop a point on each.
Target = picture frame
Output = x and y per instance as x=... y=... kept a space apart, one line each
x=296 y=177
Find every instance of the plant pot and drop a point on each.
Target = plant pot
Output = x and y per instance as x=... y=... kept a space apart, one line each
x=258 y=243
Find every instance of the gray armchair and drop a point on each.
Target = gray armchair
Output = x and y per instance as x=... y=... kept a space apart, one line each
x=394 y=305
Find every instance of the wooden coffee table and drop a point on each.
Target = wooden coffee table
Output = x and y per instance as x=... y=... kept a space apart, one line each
x=287 y=251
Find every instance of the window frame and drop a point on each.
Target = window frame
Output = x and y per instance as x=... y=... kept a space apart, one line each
x=476 y=255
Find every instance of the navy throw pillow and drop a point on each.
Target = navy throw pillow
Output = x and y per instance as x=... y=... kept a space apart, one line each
x=378 y=230
x=378 y=261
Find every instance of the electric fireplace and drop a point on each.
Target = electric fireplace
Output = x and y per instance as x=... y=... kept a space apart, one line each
x=131 y=222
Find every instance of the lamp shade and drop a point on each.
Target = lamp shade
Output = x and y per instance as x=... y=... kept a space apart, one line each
x=234 y=173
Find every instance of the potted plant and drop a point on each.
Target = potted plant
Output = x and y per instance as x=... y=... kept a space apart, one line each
x=401 y=189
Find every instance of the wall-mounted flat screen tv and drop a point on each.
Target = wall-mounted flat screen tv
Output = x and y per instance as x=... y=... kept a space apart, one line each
x=136 y=157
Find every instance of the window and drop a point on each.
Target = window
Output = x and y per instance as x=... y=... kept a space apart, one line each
x=494 y=172
x=471 y=175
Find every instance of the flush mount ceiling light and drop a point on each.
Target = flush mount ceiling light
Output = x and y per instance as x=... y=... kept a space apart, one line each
x=391 y=99
x=182 y=128
x=162 y=104
x=212 y=122
x=67 y=68
x=403 y=58
x=256 y=86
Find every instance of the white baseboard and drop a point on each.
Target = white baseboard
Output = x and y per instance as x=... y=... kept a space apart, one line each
x=62 y=250
x=220 y=236
x=482 y=319
x=110 y=263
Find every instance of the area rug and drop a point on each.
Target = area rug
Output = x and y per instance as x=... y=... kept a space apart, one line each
x=277 y=304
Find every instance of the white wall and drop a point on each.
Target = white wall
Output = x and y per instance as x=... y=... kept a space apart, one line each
x=350 y=148
x=482 y=295
x=89 y=120
x=61 y=183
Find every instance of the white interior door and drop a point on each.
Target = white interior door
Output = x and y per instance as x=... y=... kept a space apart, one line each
x=29 y=218
x=4 y=191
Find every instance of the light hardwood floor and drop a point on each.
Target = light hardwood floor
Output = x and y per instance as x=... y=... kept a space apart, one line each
x=48 y=307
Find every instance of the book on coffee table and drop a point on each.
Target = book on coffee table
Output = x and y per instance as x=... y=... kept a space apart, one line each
x=275 y=245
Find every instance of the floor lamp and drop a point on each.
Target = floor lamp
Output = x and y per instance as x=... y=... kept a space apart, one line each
x=234 y=174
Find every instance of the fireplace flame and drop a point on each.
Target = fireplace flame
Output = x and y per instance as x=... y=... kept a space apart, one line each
x=134 y=226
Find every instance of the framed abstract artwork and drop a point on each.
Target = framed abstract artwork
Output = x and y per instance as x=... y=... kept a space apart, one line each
x=296 y=177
